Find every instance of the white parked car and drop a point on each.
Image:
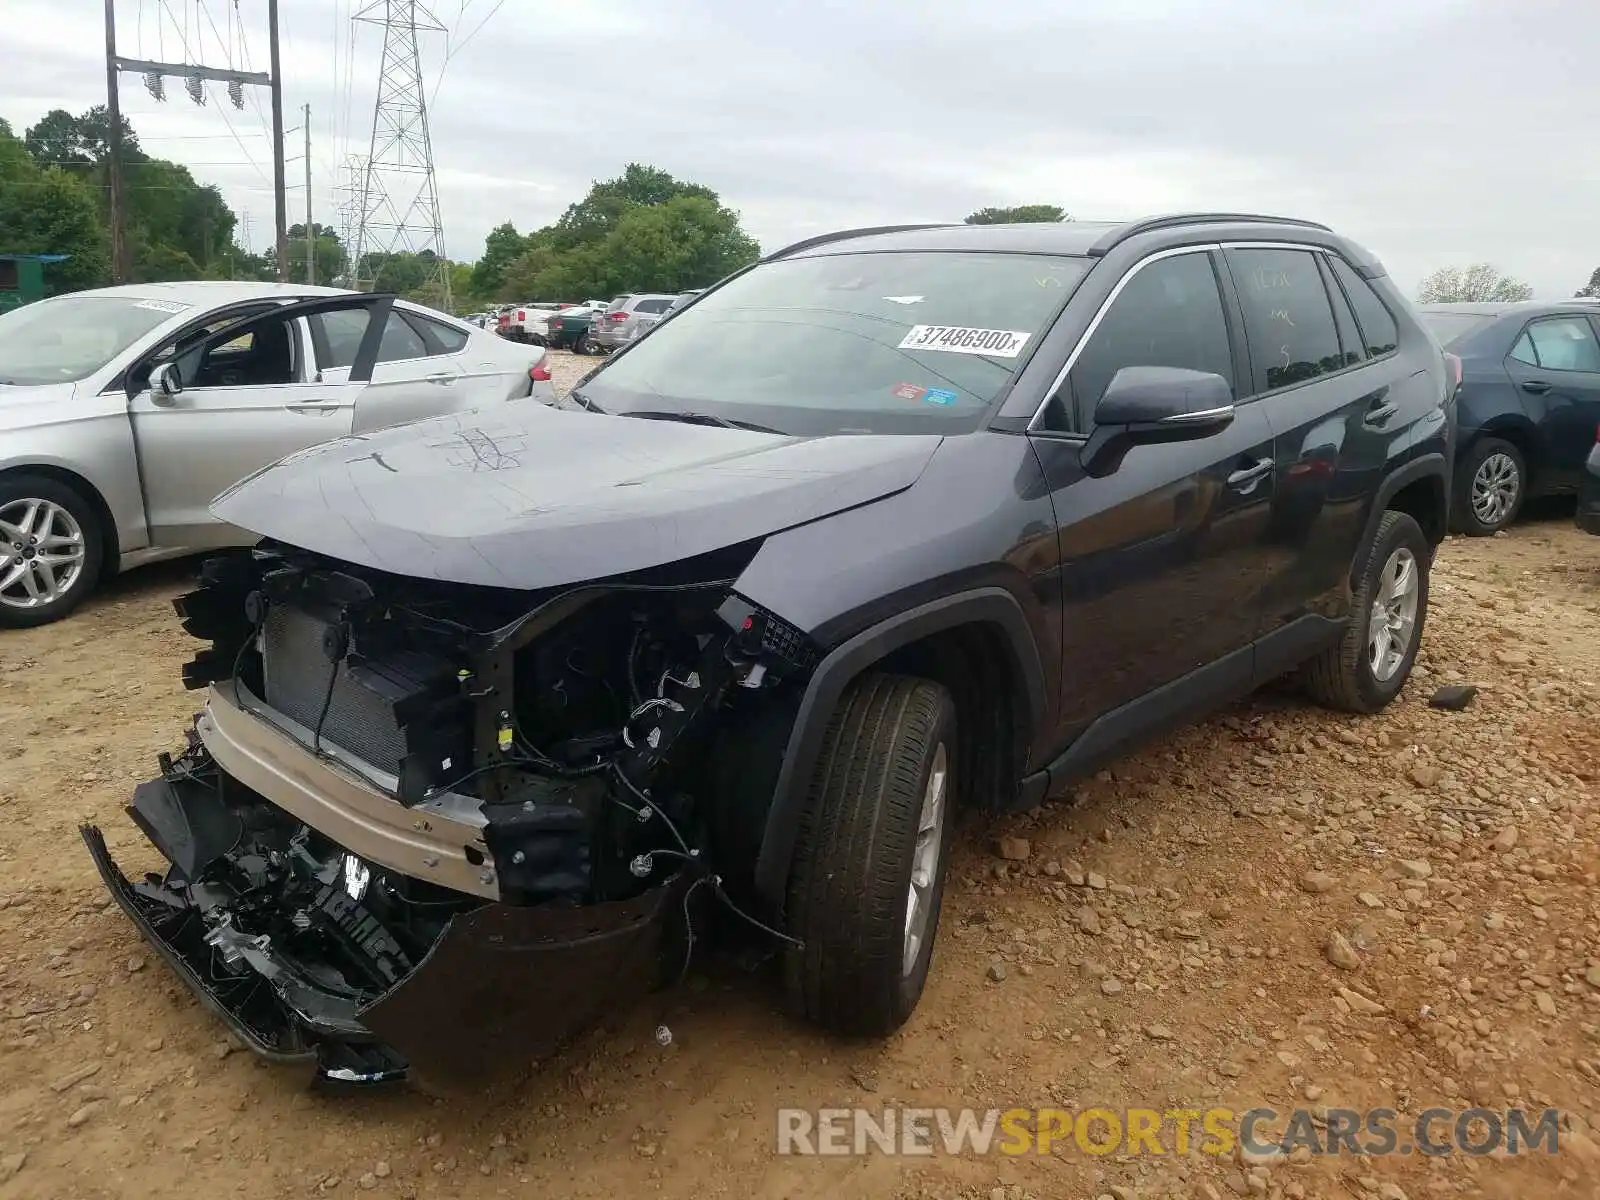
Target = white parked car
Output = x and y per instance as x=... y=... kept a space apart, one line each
x=125 y=410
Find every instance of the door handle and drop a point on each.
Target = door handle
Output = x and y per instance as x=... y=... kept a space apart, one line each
x=1379 y=409
x=442 y=378
x=1537 y=386
x=1246 y=478
x=313 y=406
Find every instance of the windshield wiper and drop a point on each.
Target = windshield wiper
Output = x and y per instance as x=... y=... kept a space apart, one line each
x=701 y=418
x=580 y=398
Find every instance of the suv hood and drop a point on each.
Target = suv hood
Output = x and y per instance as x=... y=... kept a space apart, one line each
x=538 y=497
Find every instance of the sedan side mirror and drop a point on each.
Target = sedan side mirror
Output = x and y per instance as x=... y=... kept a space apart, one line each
x=1149 y=405
x=166 y=382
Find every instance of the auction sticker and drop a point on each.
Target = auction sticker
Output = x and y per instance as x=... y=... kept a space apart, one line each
x=908 y=391
x=963 y=339
x=166 y=306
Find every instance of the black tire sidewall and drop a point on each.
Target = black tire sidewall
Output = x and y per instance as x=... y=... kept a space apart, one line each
x=1403 y=530
x=911 y=984
x=38 y=487
x=1466 y=519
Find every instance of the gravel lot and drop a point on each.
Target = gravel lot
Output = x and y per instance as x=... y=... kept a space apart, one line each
x=1454 y=855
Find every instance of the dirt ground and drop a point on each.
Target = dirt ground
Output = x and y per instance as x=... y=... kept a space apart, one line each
x=1454 y=852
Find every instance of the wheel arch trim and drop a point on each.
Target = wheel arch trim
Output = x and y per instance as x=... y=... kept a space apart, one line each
x=1424 y=467
x=992 y=606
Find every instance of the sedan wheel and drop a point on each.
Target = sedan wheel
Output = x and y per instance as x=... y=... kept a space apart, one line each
x=1495 y=487
x=49 y=550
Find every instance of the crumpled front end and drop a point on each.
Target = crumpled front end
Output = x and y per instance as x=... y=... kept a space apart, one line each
x=437 y=832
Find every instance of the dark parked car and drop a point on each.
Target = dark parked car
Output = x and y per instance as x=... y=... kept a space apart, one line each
x=893 y=523
x=1529 y=402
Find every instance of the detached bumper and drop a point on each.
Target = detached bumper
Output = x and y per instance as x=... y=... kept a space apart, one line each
x=481 y=995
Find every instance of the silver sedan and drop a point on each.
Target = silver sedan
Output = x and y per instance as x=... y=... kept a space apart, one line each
x=124 y=411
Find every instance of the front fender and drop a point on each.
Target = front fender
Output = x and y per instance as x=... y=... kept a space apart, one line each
x=993 y=606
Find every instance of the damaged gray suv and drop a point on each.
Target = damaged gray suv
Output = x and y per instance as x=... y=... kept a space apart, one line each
x=505 y=707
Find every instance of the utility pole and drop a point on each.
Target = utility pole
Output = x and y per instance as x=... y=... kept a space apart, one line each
x=281 y=199
x=119 y=249
x=311 y=237
x=194 y=76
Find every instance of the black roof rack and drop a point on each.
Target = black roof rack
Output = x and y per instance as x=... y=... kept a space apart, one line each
x=822 y=239
x=1175 y=220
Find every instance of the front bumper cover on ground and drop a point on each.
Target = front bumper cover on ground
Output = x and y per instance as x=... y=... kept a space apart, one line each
x=501 y=987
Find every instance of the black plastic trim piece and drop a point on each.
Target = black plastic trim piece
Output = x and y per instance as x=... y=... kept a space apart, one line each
x=1418 y=468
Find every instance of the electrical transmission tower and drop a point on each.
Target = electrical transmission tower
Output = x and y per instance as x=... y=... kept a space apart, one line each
x=397 y=210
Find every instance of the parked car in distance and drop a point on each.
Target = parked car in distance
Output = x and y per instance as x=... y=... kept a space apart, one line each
x=1589 y=490
x=645 y=322
x=683 y=298
x=619 y=325
x=568 y=329
x=896 y=523
x=1529 y=402
x=124 y=410
x=527 y=322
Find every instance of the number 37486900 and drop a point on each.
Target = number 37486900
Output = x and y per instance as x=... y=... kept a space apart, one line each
x=964 y=339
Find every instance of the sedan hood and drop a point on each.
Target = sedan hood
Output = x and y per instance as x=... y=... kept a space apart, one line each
x=28 y=404
x=533 y=497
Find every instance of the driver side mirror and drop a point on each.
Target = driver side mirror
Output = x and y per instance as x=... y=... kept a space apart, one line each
x=1149 y=405
x=166 y=382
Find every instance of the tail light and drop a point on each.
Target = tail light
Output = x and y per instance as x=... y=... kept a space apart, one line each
x=540 y=371
x=619 y=315
x=521 y=316
x=1452 y=365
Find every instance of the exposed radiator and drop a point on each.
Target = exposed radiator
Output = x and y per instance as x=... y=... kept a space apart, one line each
x=295 y=669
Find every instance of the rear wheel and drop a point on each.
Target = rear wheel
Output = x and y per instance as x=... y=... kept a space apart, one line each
x=1490 y=486
x=50 y=550
x=869 y=869
x=1372 y=661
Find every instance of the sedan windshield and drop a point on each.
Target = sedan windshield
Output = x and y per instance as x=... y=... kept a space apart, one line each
x=71 y=337
x=886 y=342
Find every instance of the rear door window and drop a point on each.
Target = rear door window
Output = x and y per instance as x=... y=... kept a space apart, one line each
x=339 y=335
x=1376 y=321
x=1288 y=319
x=1559 y=344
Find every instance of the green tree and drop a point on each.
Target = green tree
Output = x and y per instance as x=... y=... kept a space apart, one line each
x=51 y=211
x=329 y=255
x=598 y=213
x=61 y=139
x=1022 y=213
x=1479 y=283
x=1592 y=288
x=501 y=248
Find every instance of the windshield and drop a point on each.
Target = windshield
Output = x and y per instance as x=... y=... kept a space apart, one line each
x=71 y=337
x=1451 y=327
x=887 y=342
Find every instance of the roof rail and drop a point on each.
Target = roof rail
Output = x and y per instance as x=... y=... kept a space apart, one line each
x=822 y=239
x=1176 y=220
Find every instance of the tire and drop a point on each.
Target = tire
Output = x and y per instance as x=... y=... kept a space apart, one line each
x=1497 y=459
x=1344 y=676
x=584 y=346
x=63 y=512
x=851 y=886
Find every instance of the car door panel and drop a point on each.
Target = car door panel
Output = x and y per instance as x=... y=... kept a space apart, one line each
x=410 y=380
x=1561 y=392
x=1331 y=410
x=193 y=445
x=1160 y=563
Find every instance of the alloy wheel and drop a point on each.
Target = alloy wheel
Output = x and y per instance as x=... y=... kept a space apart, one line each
x=1393 y=622
x=925 y=855
x=42 y=552
x=1495 y=485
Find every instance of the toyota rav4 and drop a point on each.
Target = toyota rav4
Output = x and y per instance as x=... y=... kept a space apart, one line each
x=506 y=705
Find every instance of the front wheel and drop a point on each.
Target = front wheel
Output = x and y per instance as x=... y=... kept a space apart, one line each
x=1490 y=486
x=1369 y=665
x=50 y=550
x=869 y=870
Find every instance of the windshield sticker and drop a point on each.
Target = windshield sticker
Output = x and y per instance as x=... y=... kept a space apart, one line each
x=908 y=391
x=963 y=339
x=166 y=306
x=939 y=396
x=904 y=299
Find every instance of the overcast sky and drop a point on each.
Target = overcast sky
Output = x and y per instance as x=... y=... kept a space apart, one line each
x=1434 y=131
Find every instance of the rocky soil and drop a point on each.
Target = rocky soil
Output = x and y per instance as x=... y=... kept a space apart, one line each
x=1282 y=907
